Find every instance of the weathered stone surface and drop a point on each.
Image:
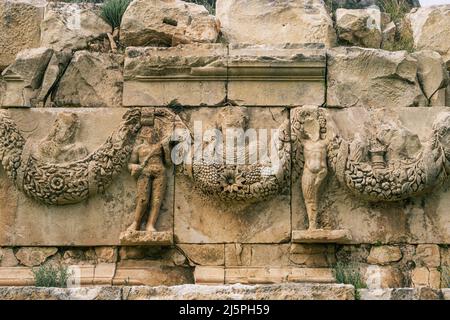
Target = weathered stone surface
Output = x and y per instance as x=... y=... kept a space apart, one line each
x=16 y=276
x=209 y=275
x=166 y=23
x=20 y=27
x=372 y=78
x=384 y=255
x=106 y=254
x=34 y=256
x=71 y=26
x=55 y=69
x=431 y=29
x=33 y=293
x=282 y=75
x=321 y=236
x=428 y=255
x=312 y=255
x=92 y=80
x=24 y=77
x=399 y=294
x=7 y=258
x=426 y=277
x=255 y=275
x=258 y=292
x=237 y=254
x=359 y=27
x=26 y=222
x=204 y=254
x=190 y=75
x=199 y=219
x=406 y=134
x=377 y=277
x=152 y=274
x=446 y=294
x=284 y=22
x=432 y=75
x=143 y=238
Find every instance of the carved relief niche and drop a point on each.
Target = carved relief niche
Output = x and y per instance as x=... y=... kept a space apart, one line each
x=387 y=176
x=67 y=170
x=234 y=199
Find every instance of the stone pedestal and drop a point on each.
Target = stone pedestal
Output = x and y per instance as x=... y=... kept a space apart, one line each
x=143 y=238
x=321 y=236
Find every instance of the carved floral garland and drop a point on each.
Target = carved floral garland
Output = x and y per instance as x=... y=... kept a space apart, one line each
x=67 y=183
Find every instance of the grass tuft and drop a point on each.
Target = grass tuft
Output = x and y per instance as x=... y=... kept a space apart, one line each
x=112 y=11
x=51 y=276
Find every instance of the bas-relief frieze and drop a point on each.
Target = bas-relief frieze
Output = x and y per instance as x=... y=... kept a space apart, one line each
x=385 y=164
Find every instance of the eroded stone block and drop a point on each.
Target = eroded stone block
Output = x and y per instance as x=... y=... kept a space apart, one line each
x=284 y=22
x=190 y=75
x=271 y=75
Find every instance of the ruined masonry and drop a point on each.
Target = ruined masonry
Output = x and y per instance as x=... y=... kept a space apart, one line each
x=113 y=158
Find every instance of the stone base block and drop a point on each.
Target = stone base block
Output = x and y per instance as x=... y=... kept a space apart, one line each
x=289 y=291
x=143 y=238
x=321 y=236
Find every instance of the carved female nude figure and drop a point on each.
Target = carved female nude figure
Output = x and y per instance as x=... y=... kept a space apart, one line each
x=147 y=164
x=315 y=169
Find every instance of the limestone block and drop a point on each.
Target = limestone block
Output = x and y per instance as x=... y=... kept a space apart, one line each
x=55 y=69
x=312 y=255
x=33 y=293
x=190 y=75
x=144 y=238
x=432 y=75
x=406 y=134
x=16 y=276
x=359 y=27
x=286 y=291
x=19 y=27
x=428 y=255
x=426 y=277
x=431 y=29
x=380 y=277
x=204 y=254
x=360 y=77
x=284 y=22
x=384 y=255
x=7 y=258
x=399 y=294
x=209 y=275
x=321 y=236
x=97 y=221
x=258 y=255
x=92 y=80
x=276 y=75
x=34 y=256
x=24 y=77
x=145 y=273
x=446 y=294
x=202 y=216
x=166 y=23
x=104 y=273
x=257 y=275
x=71 y=26
x=106 y=254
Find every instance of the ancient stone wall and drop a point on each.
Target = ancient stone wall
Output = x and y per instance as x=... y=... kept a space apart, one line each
x=120 y=152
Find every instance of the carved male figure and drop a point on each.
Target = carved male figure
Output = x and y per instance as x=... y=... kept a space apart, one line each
x=147 y=165
x=315 y=168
